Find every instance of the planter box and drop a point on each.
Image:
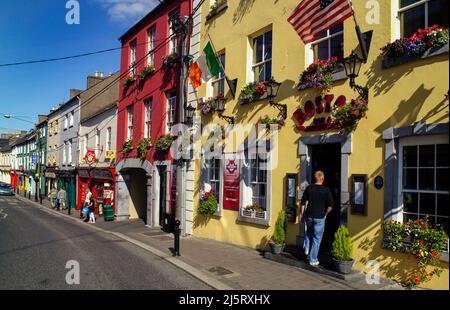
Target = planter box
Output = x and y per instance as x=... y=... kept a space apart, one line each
x=250 y=99
x=338 y=75
x=217 y=11
x=392 y=62
x=254 y=214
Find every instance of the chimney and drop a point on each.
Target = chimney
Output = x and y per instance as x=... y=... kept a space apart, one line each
x=96 y=73
x=101 y=74
x=93 y=80
x=74 y=92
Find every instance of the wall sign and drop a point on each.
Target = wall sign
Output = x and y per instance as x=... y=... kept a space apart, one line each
x=290 y=201
x=231 y=182
x=90 y=157
x=314 y=110
x=110 y=154
x=379 y=182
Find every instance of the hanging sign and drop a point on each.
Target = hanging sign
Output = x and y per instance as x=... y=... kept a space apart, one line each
x=90 y=157
x=231 y=182
x=110 y=154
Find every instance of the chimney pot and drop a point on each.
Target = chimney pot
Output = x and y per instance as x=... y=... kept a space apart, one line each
x=96 y=73
x=101 y=74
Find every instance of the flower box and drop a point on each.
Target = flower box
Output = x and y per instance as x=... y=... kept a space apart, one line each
x=258 y=214
x=254 y=91
x=321 y=74
x=434 y=51
x=171 y=59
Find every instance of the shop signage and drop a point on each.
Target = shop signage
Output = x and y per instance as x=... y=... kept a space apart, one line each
x=231 y=183
x=34 y=159
x=110 y=154
x=90 y=157
x=379 y=182
x=316 y=110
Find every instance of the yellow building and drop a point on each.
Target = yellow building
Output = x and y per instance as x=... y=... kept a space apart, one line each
x=407 y=114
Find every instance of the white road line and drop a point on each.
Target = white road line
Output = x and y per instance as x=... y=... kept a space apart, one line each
x=2 y=214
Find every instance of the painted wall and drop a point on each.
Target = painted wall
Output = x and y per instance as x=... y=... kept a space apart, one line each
x=53 y=138
x=399 y=96
x=71 y=132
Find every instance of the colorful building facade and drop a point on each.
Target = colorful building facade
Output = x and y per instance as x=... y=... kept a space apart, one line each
x=368 y=168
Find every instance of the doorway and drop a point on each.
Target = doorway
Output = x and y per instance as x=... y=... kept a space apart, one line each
x=162 y=186
x=327 y=158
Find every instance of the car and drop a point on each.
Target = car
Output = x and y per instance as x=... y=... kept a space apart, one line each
x=6 y=190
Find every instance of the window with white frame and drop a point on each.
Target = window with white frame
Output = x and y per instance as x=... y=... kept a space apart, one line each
x=66 y=121
x=424 y=187
x=85 y=148
x=329 y=44
x=65 y=153
x=420 y=14
x=130 y=112
x=133 y=58
x=262 y=57
x=108 y=138
x=71 y=119
x=151 y=46
x=69 y=152
x=173 y=43
x=213 y=176
x=148 y=118
x=218 y=83
x=97 y=143
x=171 y=111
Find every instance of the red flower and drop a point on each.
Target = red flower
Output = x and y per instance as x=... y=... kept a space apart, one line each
x=417 y=282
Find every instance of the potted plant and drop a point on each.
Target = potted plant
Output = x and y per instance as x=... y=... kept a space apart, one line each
x=253 y=91
x=143 y=146
x=268 y=121
x=129 y=81
x=164 y=143
x=171 y=58
x=127 y=147
x=342 y=250
x=347 y=116
x=279 y=235
x=146 y=72
x=208 y=204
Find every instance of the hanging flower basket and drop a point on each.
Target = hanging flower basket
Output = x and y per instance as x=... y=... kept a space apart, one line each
x=253 y=91
x=146 y=72
x=143 y=146
x=129 y=81
x=319 y=75
x=347 y=116
x=210 y=105
x=164 y=143
x=171 y=59
x=127 y=147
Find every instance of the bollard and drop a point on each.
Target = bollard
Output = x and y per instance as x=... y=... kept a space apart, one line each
x=68 y=208
x=40 y=199
x=177 y=232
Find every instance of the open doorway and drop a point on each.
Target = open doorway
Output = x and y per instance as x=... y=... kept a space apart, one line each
x=138 y=195
x=327 y=158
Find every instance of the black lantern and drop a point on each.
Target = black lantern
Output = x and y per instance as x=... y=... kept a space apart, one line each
x=220 y=107
x=352 y=65
x=190 y=111
x=272 y=92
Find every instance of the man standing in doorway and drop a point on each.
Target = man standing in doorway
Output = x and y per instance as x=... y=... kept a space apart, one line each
x=320 y=203
x=62 y=198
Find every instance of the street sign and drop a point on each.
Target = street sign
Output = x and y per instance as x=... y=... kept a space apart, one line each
x=34 y=159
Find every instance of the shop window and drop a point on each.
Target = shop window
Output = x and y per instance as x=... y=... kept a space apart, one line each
x=329 y=44
x=218 y=83
x=148 y=118
x=424 y=188
x=151 y=46
x=420 y=14
x=262 y=57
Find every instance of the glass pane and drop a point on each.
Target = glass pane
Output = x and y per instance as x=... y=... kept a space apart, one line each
x=404 y=3
x=410 y=203
x=427 y=204
x=337 y=28
x=438 y=13
x=426 y=179
x=262 y=176
x=337 y=47
x=321 y=50
x=268 y=71
x=262 y=203
x=259 y=73
x=410 y=156
x=443 y=221
x=409 y=217
x=255 y=191
x=431 y=219
x=412 y=20
x=442 y=183
x=442 y=155
x=426 y=155
x=268 y=45
x=410 y=178
x=258 y=49
x=442 y=204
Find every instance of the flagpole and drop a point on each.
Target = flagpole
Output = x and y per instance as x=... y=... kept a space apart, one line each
x=233 y=90
x=362 y=41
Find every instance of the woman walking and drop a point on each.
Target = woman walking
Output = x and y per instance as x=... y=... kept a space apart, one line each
x=91 y=211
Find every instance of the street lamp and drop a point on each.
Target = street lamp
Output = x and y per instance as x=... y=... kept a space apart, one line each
x=272 y=92
x=352 y=65
x=190 y=111
x=220 y=107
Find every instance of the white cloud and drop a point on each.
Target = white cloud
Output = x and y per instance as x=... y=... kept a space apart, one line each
x=126 y=11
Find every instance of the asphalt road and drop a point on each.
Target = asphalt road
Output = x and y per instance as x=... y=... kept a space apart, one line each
x=36 y=245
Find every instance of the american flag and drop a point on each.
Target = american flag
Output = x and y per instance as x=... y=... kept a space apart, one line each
x=312 y=17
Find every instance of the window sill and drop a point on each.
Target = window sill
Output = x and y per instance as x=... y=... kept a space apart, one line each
x=216 y=11
x=245 y=100
x=392 y=62
x=256 y=221
x=338 y=75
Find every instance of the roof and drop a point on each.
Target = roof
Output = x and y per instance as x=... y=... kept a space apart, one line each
x=6 y=148
x=141 y=22
x=23 y=139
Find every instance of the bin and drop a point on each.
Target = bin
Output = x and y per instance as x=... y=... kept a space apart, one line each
x=108 y=212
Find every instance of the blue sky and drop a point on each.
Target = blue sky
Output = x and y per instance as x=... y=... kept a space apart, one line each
x=31 y=30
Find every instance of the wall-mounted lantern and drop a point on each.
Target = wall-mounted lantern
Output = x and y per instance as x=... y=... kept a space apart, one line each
x=272 y=92
x=352 y=65
x=220 y=107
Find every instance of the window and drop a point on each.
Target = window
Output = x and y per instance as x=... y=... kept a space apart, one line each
x=218 y=83
x=424 y=187
x=420 y=14
x=65 y=153
x=133 y=58
x=66 y=121
x=108 y=139
x=71 y=119
x=213 y=176
x=85 y=148
x=171 y=110
x=151 y=46
x=148 y=118
x=130 y=111
x=262 y=57
x=173 y=43
x=329 y=44
x=97 y=142
x=69 y=146
x=258 y=179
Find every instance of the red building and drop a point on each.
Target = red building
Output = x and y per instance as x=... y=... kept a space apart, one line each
x=148 y=108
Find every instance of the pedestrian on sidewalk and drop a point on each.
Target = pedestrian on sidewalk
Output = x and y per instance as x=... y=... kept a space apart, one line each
x=91 y=211
x=62 y=198
x=52 y=197
x=87 y=200
x=320 y=203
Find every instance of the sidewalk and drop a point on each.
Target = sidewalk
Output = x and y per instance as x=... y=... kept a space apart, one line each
x=236 y=267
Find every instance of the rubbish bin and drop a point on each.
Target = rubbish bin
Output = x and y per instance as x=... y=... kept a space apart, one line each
x=108 y=212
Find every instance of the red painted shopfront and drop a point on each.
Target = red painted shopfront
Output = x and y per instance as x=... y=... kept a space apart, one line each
x=100 y=182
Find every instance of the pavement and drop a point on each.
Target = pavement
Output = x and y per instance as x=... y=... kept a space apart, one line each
x=218 y=265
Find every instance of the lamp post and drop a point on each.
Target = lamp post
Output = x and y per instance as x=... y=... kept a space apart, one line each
x=272 y=92
x=220 y=107
x=352 y=65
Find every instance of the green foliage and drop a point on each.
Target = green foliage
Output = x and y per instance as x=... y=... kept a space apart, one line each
x=395 y=233
x=348 y=116
x=208 y=205
x=279 y=235
x=342 y=248
x=128 y=81
x=164 y=143
x=127 y=147
x=146 y=72
x=142 y=147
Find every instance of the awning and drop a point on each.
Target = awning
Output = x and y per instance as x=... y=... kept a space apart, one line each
x=82 y=173
x=50 y=175
x=102 y=174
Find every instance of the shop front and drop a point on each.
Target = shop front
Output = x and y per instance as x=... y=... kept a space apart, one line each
x=101 y=183
x=66 y=179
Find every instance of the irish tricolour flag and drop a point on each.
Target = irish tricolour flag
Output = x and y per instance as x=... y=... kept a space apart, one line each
x=205 y=67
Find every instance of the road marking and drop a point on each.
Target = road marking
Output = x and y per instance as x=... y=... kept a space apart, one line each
x=2 y=214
